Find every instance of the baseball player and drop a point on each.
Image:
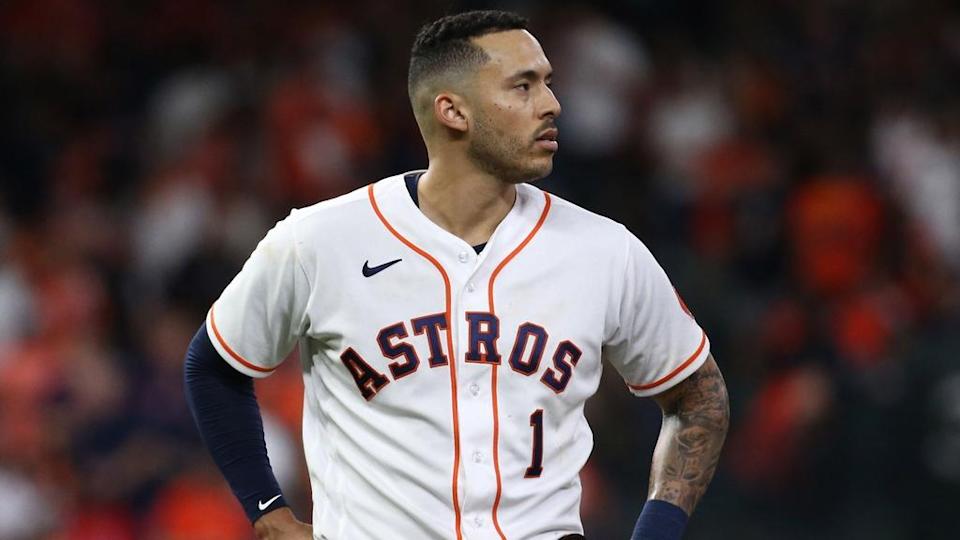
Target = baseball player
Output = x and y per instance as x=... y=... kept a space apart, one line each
x=452 y=322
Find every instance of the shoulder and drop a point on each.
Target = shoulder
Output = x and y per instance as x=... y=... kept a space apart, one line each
x=579 y=225
x=344 y=212
x=328 y=210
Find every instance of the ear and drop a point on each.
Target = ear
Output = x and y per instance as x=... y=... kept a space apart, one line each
x=451 y=111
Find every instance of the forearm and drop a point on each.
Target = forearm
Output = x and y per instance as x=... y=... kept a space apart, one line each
x=695 y=421
x=227 y=415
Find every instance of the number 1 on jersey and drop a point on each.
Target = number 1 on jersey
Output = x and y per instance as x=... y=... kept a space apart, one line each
x=536 y=463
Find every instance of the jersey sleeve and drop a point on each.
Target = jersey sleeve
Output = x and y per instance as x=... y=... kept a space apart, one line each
x=657 y=342
x=262 y=313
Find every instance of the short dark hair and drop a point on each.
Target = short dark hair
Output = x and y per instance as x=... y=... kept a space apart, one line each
x=445 y=42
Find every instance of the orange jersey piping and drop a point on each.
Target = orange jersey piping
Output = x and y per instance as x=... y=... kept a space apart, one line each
x=493 y=373
x=672 y=374
x=236 y=356
x=453 y=358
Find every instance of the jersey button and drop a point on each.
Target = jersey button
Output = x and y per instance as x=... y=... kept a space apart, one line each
x=471 y=287
x=463 y=256
x=475 y=389
x=477 y=456
x=478 y=522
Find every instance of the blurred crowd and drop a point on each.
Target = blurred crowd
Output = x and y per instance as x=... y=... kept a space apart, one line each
x=795 y=167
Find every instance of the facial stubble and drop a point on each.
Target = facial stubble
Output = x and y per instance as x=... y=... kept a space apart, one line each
x=506 y=156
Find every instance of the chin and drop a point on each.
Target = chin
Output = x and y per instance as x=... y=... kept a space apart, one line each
x=541 y=171
x=531 y=174
x=529 y=170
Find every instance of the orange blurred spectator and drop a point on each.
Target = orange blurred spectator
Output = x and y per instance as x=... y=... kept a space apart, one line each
x=864 y=327
x=196 y=506
x=779 y=429
x=835 y=225
x=282 y=393
x=726 y=173
x=110 y=522
x=316 y=136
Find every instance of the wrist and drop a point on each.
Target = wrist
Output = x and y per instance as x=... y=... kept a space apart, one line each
x=660 y=520
x=274 y=521
x=257 y=506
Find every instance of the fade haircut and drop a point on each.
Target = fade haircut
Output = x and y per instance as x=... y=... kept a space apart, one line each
x=444 y=45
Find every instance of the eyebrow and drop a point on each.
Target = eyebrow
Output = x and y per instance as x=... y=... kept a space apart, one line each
x=530 y=74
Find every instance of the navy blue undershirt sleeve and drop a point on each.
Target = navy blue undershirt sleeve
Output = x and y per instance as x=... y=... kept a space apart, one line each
x=226 y=412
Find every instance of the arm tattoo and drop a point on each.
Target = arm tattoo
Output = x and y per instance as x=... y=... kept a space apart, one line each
x=696 y=414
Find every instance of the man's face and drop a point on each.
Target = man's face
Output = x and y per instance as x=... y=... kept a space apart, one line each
x=513 y=134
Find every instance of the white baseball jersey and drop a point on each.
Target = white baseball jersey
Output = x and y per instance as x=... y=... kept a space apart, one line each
x=444 y=390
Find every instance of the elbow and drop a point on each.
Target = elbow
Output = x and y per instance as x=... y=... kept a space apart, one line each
x=702 y=400
x=723 y=423
x=716 y=400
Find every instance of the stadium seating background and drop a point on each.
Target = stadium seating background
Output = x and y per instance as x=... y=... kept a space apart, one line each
x=795 y=166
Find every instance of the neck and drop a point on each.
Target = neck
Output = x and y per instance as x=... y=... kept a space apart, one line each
x=464 y=201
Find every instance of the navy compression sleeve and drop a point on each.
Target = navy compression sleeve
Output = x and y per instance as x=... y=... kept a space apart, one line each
x=225 y=409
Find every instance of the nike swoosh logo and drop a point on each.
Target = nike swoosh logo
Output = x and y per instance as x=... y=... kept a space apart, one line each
x=263 y=505
x=367 y=271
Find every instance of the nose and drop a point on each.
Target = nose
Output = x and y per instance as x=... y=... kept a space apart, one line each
x=551 y=106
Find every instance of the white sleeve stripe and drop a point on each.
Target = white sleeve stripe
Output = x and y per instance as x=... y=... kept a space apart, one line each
x=675 y=372
x=233 y=354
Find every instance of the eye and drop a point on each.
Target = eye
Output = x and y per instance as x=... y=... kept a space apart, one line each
x=523 y=86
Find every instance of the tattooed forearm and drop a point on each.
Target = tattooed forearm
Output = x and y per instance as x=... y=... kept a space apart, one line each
x=696 y=414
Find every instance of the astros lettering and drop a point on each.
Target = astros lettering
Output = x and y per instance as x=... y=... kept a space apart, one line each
x=529 y=345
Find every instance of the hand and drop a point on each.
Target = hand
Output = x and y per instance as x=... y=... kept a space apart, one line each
x=281 y=524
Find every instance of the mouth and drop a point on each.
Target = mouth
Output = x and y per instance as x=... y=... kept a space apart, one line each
x=547 y=140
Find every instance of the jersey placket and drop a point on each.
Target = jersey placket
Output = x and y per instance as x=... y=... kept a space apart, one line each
x=478 y=479
x=477 y=393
